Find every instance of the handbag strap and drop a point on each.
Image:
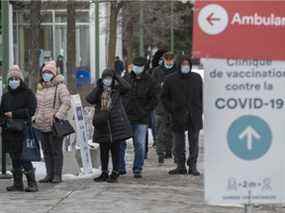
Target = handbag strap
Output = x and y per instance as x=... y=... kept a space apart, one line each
x=54 y=100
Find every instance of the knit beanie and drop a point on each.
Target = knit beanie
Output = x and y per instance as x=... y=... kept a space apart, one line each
x=15 y=71
x=51 y=67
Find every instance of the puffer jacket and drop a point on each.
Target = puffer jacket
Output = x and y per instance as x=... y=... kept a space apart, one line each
x=45 y=99
x=22 y=103
x=119 y=128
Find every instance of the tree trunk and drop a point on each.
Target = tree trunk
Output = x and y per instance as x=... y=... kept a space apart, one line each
x=35 y=22
x=114 y=12
x=71 y=47
x=128 y=41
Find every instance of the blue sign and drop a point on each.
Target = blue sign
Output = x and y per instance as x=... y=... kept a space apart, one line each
x=249 y=137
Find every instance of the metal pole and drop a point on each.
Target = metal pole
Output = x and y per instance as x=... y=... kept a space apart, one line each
x=248 y=208
x=5 y=67
x=97 y=40
x=172 y=26
x=141 y=24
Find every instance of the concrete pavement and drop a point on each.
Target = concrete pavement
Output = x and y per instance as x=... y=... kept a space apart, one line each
x=157 y=192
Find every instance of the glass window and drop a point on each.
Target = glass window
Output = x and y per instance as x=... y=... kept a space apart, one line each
x=83 y=46
x=61 y=17
x=46 y=17
x=82 y=17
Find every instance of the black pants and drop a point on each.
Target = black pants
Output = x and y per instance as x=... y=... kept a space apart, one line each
x=105 y=149
x=19 y=165
x=179 y=148
x=53 y=154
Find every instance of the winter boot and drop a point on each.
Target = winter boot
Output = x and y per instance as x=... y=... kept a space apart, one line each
x=113 y=178
x=178 y=171
x=48 y=178
x=57 y=179
x=160 y=160
x=102 y=178
x=168 y=155
x=18 y=182
x=57 y=170
x=32 y=183
x=193 y=168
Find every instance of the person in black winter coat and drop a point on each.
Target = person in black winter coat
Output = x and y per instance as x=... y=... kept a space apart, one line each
x=18 y=104
x=111 y=124
x=164 y=137
x=139 y=102
x=182 y=98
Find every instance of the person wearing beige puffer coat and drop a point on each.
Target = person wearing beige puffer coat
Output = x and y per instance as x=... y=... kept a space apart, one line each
x=53 y=102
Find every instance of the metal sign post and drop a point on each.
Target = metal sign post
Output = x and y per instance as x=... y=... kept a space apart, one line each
x=5 y=66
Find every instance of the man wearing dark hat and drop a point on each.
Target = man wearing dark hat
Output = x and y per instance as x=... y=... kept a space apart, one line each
x=164 y=137
x=139 y=102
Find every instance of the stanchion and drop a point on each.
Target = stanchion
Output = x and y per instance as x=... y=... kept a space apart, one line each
x=248 y=208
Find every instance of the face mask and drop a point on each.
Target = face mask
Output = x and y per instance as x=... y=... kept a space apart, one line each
x=168 y=66
x=160 y=62
x=14 y=84
x=137 y=69
x=107 y=82
x=185 y=69
x=47 y=77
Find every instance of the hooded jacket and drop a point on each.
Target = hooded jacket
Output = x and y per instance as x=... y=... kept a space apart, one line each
x=45 y=99
x=182 y=97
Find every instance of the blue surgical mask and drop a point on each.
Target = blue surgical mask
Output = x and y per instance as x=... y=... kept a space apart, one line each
x=47 y=76
x=168 y=66
x=138 y=69
x=14 y=84
x=185 y=69
x=107 y=82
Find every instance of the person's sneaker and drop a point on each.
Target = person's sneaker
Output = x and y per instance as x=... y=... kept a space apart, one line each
x=138 y=175
x=194 y=172
x=113 y=178
x=102 y=178
x=178 y=171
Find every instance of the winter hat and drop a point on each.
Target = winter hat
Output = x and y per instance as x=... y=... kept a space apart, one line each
x=51 y=67
x=107 y=72
x=139 y=61
x=15 y=72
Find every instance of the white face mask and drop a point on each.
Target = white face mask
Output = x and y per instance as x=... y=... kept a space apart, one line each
x=137 y=69
x=47 y=77
x=14 y=84
x=168 y=66
x=185 y=69
x=107 y=82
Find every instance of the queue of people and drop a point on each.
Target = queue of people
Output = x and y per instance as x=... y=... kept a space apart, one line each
x=167 y=97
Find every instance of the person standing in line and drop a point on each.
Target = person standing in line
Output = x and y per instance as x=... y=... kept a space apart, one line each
x=164 y=137
x=139 y=102
x=182 y=97
x=111 y=124
x=53 y=103
x=18 y=105
x=119 y=66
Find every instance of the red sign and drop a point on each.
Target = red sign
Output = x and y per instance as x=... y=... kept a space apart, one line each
x=239 y=29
